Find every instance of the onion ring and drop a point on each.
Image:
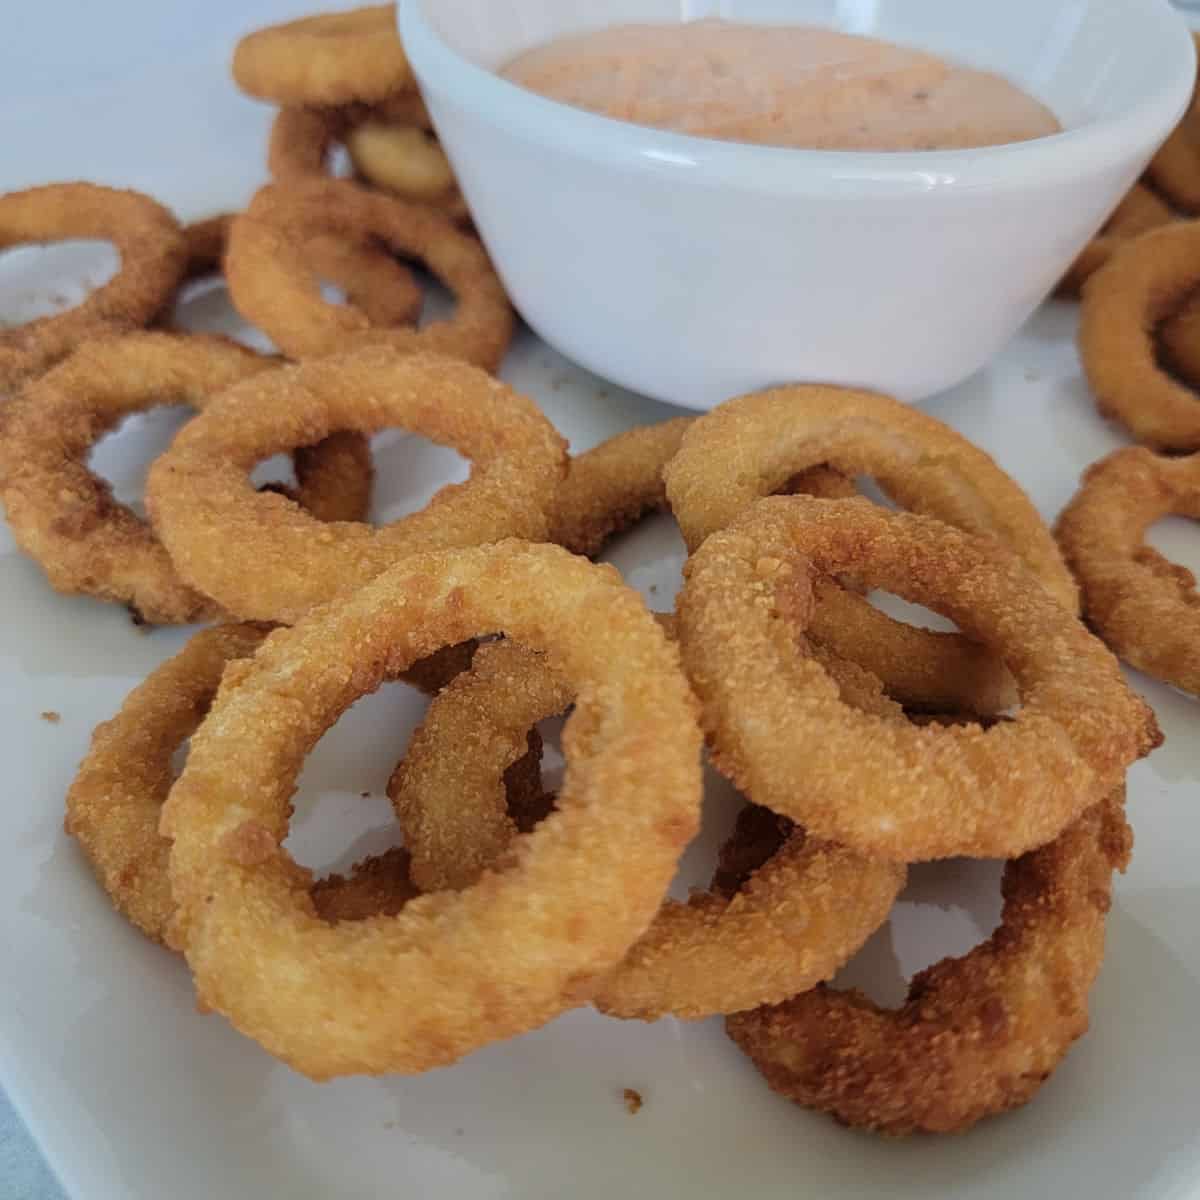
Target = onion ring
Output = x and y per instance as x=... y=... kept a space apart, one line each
x=748 y=447
x=778 y=729
x=153 y=256
x=795 y=923
x=407 y=161
x=64 y=515
x=451 y=806
x=115 y=800
x=1175 y=169
x=978 y=1034
x=1146 y=282
x=401 y=158
x=455 y=970
x=330 y=58
x=265 y=560
x=1140 y=210
x=391 y=155
x=1145 y=607
x=372 y=280
x=613 y=485
x=272 y=287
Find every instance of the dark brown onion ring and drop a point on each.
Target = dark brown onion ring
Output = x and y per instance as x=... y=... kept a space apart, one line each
x=978 y=1034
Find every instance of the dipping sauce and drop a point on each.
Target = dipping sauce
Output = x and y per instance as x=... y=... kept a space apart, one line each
x=781 y=85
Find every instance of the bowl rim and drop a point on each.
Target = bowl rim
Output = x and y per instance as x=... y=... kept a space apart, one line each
x=1103 y=143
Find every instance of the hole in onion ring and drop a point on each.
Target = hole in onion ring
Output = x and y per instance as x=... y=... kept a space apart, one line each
x=342 y=814
x=1175 y=539
x=946 y=910
x=202 y=305
x=37 y=281
x=123 y=455
x=644 y=554
x=410 y=468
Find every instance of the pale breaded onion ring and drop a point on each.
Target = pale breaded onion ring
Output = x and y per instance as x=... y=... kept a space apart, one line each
x=1145 y=607
x=1140 y=210
x=153 y=256
x=370 y=277
x=401 y=158
x=455 y=970
x=115 y=800
x=407 y=161
x=263 y=559
x=805 y=912
x=779 y=730
x=273 y=288
x=328 y=58
x=302 y=139
x=748 y=447
x=978 y=1034
x=63 y=514
x=1145 y=283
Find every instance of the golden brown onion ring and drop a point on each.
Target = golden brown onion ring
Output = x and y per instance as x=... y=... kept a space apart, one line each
x=1140 y=210
x=1145 y=283
x=116 y=798
x=454 y=970
x=800 y=917
x=779 y=730
x=400 y=156
x=747 y=448
x=372 y=280
x=64 y=515
x=263 y=559
x=153 y=256
x=273 y=288
x=1144 y=606
x=329 y=58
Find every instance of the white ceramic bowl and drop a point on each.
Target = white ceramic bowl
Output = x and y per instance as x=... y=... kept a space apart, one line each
x=693 y=270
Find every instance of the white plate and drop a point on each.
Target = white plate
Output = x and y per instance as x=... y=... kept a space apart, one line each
x=133 y=1094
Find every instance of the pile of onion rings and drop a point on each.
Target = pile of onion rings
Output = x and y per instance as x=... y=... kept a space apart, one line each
x=64 y=515
x=861 y=744
x=750 y=447
x=114 y=802
x=343 y=79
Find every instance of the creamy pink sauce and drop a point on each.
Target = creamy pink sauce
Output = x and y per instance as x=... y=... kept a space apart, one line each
x=781 y=85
